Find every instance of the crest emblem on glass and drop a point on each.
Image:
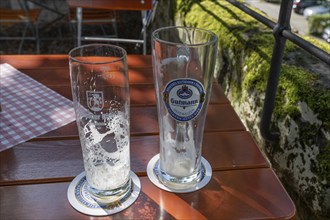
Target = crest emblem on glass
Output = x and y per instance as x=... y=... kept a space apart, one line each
x=183 y=66
x=95 y=100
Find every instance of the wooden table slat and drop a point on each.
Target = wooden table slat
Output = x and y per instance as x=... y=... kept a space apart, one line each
x=48 y=61
x=144 y=94
x=238 y=194
x=144 y=120
x=63 y=159
x=56 y=76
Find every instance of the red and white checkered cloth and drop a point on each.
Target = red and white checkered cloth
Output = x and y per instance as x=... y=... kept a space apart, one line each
x=29 y=109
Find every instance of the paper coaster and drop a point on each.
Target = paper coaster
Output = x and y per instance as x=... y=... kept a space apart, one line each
x=153 y=172
x=82 y=201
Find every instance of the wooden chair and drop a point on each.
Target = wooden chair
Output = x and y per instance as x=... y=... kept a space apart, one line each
x=89 y=16
x=27 y=17
x=145 y=6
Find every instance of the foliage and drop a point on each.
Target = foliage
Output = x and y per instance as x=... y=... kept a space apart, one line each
x=317 y=23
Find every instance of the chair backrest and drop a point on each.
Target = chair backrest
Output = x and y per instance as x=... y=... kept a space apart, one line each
x=22 y=15
x=26 y=17
x=93 y=15
x=128 y=5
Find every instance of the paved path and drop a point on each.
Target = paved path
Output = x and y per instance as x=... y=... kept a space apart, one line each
x=298 y=22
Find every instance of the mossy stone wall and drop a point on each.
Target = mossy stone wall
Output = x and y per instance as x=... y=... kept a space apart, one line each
x=302 y=156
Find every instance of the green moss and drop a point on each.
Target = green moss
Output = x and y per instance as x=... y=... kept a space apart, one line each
x=291 y=47
x=243 y=38
x=257 y=74
x=294 y=86
x=236 y=30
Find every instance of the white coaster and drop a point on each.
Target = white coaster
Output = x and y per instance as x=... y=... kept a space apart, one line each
x=153 y=173
x=82 y=201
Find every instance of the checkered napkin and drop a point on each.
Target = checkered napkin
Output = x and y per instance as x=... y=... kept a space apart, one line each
x=29 y=109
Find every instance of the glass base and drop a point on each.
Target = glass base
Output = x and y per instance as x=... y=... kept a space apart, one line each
x=178 y=183
x=80 y=198
x=109 y=196
x=155 y=177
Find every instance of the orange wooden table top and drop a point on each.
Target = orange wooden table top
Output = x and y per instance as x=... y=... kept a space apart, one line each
x=35 y=175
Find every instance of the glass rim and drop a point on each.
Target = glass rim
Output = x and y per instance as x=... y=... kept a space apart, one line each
x=213 y=39
x=119 y=58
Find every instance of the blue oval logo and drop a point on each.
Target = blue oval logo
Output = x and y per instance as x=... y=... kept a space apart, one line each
x=184 y=98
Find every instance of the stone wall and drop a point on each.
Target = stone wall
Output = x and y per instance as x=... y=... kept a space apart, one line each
x=302 y=156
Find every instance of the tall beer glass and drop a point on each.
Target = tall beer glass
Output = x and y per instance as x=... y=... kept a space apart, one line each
x=100 y=90
x=183 y=65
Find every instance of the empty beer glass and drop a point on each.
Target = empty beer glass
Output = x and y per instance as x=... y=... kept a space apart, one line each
x=183 y=65
x=100 y=90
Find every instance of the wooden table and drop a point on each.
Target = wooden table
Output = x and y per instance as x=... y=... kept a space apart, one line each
x=34 y=176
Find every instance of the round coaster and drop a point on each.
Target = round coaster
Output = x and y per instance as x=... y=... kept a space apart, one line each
x=153 y=174
x=82 y=201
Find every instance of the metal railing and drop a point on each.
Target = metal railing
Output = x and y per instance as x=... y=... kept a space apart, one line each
x=281 y=32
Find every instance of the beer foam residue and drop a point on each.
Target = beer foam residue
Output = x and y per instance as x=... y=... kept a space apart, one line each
x=106 y=150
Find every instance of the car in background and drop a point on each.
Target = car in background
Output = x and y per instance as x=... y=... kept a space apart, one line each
x=319 y=9
x=326 y=34
x=300 y=5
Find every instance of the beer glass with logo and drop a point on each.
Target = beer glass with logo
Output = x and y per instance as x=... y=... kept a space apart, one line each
x=183 y=65
x=100 y=90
